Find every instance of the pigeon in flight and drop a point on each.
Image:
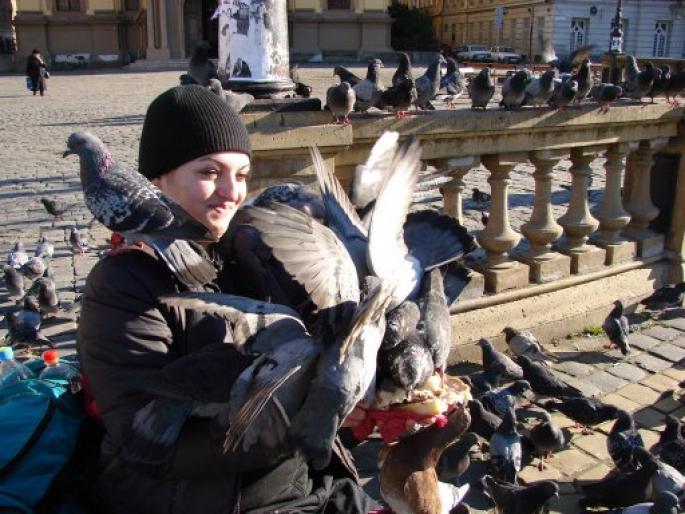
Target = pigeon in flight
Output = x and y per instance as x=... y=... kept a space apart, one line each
x=53 y=208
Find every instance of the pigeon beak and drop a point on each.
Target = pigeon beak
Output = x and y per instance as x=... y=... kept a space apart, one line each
x=67 y=153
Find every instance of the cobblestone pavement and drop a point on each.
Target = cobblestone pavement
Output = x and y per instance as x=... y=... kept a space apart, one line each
x=112 y=105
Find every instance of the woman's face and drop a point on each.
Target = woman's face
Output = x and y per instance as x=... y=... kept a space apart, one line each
x=210 y=188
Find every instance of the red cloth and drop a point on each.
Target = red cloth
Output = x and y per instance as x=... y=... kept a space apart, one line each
x=391 y=423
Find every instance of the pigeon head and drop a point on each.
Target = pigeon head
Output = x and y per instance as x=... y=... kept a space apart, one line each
x=624 y=421
x=484 y=343
x=672 y=430
x=403 y=58
x=544 y=490
x=509 y=333
x=31 y=304
x=469 y=438
x=82 y=143
x=345 y=86
x=475 y=407
x=403 y=319
x=18 y=246
x=520 y=386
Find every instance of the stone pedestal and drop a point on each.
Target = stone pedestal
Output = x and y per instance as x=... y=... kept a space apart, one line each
x=498 y=279
x=590 y=259
x=554 y=267
x=617 y=253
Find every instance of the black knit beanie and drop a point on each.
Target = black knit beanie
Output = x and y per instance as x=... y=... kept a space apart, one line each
x=184 y=123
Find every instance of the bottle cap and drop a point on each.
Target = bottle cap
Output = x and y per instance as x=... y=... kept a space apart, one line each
x=50 y=357
x=6 y=353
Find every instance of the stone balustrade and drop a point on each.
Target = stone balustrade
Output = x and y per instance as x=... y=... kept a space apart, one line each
x=580 y=242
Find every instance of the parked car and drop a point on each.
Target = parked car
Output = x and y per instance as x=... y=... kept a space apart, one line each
x=505 y=54
x=472 y=53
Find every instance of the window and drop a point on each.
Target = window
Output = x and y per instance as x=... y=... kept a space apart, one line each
x=68 y=5
x=339 y=4
x=660 y=46
x=578 y=33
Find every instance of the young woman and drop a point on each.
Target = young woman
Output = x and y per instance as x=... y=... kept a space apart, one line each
x=37 y=71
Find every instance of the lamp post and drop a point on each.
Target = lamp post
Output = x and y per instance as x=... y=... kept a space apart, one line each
x=616 y=44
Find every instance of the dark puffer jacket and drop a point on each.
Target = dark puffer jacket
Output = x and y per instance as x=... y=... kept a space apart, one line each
x=126 y=338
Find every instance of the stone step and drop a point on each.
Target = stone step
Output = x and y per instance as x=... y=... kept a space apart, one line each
x=161 y=65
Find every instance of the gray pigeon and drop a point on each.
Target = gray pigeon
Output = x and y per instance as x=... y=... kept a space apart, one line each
x=79 y=244
x=491 y=357
x=666 y=478
x=499 y=401
x=638 y=83
x=428 y=84
x=400 y=322
x=481 y=89
x=617 y=329
x=367 y=90
x=403 y=72
x=510 y=498
x=45 y=249
x=671 y=445
x=505 y=449
x=33 y=268
x=584 y=79
x=408 y=364
x=436 y=323
x=200 y=67
x=675 y=87
x=565 y=91
x=398 y=99
x=621 y=441
x=539 y=90
x=544 y=382
x=14 y=282
x=236 y=101
x=17 y=256
x=524 y=343
x=23 y=326
x=43 y=288
x=340 y=100
x=346 y=75
x=604 y=94
x=452 y=82
x=53 y=208
x=455 y=460
x=547 y=438
x=127 y=202
x=514 y=90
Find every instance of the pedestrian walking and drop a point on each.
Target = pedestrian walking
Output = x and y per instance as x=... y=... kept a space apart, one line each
x=37 y=71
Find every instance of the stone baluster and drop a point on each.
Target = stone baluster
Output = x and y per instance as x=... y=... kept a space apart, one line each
x=498 y=238
x=452 y=192
x=542 y=230
x=578 y=223
x=639 y=205
x=611 y=215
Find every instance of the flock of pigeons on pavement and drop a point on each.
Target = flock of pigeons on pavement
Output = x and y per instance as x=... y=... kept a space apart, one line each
x=346 y=299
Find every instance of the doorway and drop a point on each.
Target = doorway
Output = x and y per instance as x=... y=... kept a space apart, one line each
x=198 y=26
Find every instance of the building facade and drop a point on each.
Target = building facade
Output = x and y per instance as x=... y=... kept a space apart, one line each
x=114 y=32
x=7 y=39
x=652 y=28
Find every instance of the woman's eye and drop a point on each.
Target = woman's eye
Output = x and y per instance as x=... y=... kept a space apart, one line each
x=209 y=173
x=242 y=176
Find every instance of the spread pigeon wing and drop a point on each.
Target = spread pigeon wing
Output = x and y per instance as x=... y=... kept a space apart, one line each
x=369 y=177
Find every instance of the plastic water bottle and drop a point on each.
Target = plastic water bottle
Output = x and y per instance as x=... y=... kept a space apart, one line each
x=56 y=370
x=11 y=370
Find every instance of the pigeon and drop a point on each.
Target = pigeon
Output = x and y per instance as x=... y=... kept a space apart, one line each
x=200 y=67
x=492 y=357
x=409 y=364
x=604 y=94
x=483 y=422
x=346 y=75
x=53 y=208
x=13 y=282
x=584 y=411
x=403 y=72
x=45 y=248
x=665 y=479
x=340 y=100
x=436 y=323
x=547 y=438
x=621 y=440
x=539 y=90
x=33 y=268
x=23 y=326
x=236 y=101
x=408 y=477
x=525 y=343
x=505 y=449
x=661 y=82
x=565 y=91
x=17 y=256
x=480 y=196
x=616 y=328
x=481 y=89
x=675 y=87
x=428 y=84
x=43 y=288
x=241 y=69
x=127 y=202
x=368 y=90
x=519 y=499
x=665 y=297
x=484 y=218
x=452 y=82
x=514 y=90
x=295 y=194
x=483 y=381
x=638 y=83
x=301 y=89
x=455 y=460
x=369 y=177
x=671 y=445
x=543 y=382
x=398 y=98
x=584 y=79
x=400 y=323
x=79 y=244
x=569 y=63
x=664 y=503
x=186 y=80
x=500 y=400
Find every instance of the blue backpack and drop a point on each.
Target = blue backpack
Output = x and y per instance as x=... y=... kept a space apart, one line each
x=39 y=423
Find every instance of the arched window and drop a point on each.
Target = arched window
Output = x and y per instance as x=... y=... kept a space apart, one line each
x=660 y=45
x=578 y=33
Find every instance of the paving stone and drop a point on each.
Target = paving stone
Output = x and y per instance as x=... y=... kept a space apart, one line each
x=572 y=461
x=677 y=323
x=667 y=405
x=642 y=341
x=606 y=382
x=594 y=473
x=595 y=445
x=639 y=394
x=669 y=352
x=649 y=437
x=651 y=363
x=586 y=387
x=565 y=504
x=662 y=333
x=676 y=373
x=531 y=473
x=627 y=371
x=649 y=418
x=575 y=369
x=660 y=382
x=561 y=420
x=679 y=342
x=621 y=402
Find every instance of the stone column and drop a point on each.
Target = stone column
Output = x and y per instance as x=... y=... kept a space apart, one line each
x=642 y=210
x=578 y=223
x=542 y=230
x=611 y=215
x=457 y=168
x=498 y=238
x=158 y=41
x=675 y=242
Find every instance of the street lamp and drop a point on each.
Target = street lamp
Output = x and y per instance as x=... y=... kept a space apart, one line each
x=616 y=44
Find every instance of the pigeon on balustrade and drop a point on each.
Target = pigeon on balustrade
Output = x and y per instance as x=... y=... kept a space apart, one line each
x=540 y=89
x=428 y=84
x=519 y=499
x=604 y=94
x=566 y=64
x=621 y=441
x=671 y=445
x=201 y=68
x=33 y=268
x=584 y=79
x=367 y=90
x=483 y=422
x=492 y=357
x=127 y=202
x=499 y=401
x=586 y=412
x=543 y=381
x=340 y=101
x=455 y=460
x=481 y=89
x=661 y=82
x=13 y=282
x=565 y=91
x=638 y=83
x=505 y=449
x=346 y=75
x=399 y=98
x=480 y=196
x=403 y=72
x=301 y=89
x=514 y=90
x=671 y=295
x=675 y=88
x=45 y=248
x=236 y=101
x=452 y=82
x=17 y=256
x=547 y=438
x=524 y=343
x=617 y=328
x=53 y=208
x=43 y=288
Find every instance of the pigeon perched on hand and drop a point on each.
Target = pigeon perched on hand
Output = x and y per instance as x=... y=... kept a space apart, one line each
x=127 y=202
x=200 y=67
x=539 y=90
x=543 y=381
x=492 y=357
x=481 y=89
x=525 y=343
x=340 y=100
x=617 y=328
x=514 y=90
x=519 y=499
x=505 y=449
x=53 y=208
x=409 y=364
x=17 y=256
x=428 y=84
x=14 y=282
x=547 y=438
x=367 y=90
x=585 y=412
x=604 y=94
x=621 y=441
x=79 y=244
x=45 y=249
x=403 y=72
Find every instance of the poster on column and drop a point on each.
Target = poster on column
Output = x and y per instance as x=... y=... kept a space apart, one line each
x=253 y=40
